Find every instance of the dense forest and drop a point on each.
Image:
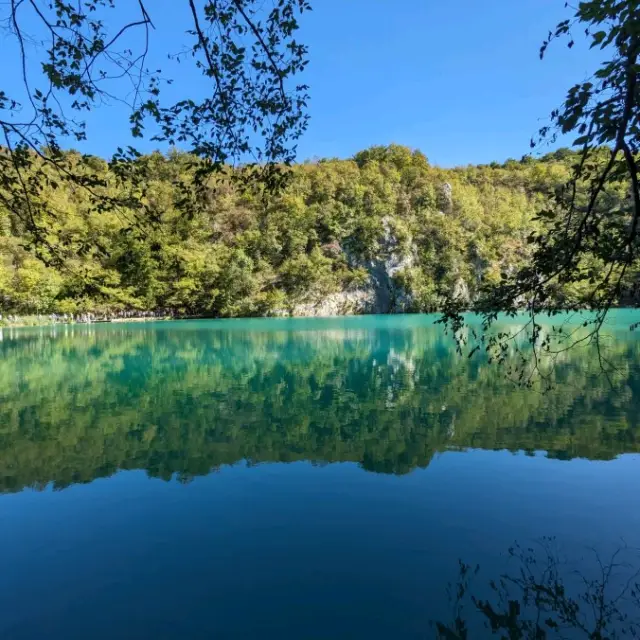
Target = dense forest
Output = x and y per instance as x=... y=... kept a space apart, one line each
x=186 y=398
x=382 y=232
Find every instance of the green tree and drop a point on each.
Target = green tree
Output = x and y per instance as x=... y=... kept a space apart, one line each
x=586 y=244
x=253 y=111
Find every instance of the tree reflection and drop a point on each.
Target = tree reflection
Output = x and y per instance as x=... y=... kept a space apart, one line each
x=543 y=596
x=81 y=403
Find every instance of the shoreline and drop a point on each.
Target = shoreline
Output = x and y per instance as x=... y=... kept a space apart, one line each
x=32 y=321
x=21 y=322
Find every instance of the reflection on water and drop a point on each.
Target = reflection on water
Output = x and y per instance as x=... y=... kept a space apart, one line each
x=77 y=403
x=544 y=594
x=311 y=549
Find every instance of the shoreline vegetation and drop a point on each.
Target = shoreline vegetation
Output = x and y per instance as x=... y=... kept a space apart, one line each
x=13 y=320
x=382 y=232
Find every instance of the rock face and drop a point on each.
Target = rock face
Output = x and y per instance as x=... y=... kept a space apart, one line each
x=390 y=261
x=445 y=198
x=461 y=291
x=342 y=303
x=382 y=294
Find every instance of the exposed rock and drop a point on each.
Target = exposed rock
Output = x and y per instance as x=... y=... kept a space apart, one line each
x=389 y=263
x=404 y=300
x=461 y=291
x=479 y=266
x=445 y=198
x=383 y=294
x=342 y=303
x=395 y=260
x=331 y=249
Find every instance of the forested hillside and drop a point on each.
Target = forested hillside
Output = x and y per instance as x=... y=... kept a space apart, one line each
x=382 y=232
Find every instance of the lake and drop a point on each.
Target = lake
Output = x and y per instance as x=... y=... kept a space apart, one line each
x=306 y=478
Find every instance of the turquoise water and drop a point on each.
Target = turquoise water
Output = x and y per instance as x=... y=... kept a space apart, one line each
x=297 y=478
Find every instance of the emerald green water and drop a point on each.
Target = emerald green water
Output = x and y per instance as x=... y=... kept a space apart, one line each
x=293 y=478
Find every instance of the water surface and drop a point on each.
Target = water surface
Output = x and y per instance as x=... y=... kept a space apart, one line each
x=294 y=478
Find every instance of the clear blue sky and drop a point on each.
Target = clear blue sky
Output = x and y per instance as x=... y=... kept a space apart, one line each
x=460 y=80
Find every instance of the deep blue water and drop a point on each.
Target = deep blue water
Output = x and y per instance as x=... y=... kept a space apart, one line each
x=296 y=478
